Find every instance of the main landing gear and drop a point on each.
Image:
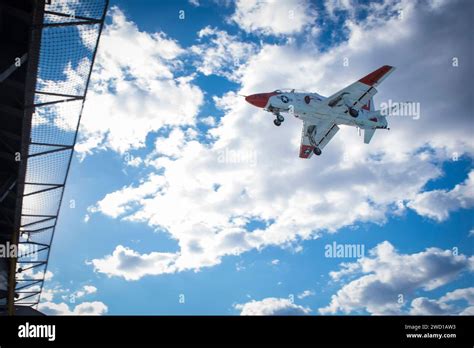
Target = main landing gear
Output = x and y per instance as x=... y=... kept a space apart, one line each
x=278 y=120
x=311 y=133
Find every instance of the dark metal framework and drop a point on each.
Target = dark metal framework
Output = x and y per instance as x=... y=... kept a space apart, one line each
x=64 y=33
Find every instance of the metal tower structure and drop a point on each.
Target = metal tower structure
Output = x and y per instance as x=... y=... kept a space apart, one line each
x=48 y=51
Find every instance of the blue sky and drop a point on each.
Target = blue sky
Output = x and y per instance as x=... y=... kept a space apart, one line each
x=157 y=217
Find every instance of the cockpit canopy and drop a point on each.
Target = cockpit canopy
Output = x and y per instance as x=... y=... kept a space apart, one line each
x=289 y=90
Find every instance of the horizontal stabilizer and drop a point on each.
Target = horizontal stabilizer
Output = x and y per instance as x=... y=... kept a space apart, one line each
x=368 y=134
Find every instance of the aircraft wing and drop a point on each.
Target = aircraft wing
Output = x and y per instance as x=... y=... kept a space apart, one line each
x=316 y=134
x=360 y=92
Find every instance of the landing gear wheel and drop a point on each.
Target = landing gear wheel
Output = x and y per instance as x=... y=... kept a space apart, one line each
x=276 y=122
x=353 y=112
x=280 y=118
x=317 y=151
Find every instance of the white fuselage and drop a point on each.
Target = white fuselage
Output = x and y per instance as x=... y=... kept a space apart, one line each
x=311 y=106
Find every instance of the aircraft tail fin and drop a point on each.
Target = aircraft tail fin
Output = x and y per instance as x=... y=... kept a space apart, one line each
x=370 y=106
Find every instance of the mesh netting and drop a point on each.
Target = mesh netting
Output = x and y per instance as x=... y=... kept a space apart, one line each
x=46 y=203
x=48 y=168
x=56 y=124
x=69 y=38
x=64 y=66
x=74 y=9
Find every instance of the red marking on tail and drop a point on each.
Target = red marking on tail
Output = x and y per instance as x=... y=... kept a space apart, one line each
x=367 y=106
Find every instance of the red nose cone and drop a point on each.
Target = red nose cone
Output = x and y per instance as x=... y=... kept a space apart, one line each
x=260 y=100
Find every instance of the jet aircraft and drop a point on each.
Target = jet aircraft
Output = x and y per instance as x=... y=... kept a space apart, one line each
x=321 y=116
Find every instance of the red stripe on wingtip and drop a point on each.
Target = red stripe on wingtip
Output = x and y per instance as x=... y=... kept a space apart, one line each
x=375 y=76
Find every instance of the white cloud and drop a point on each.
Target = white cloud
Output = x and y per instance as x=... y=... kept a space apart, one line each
x=73 y=83
x=425 y=306
x=49 y=307
x=90 y=308
x=209 y=121
x=32 y=274
x=86 y=290
x=305 y=294
x=204 y=200
x=221 y=54
x=129 y=264
x=445 y=305
x=119 y=202
x=275 y=262
x=272 y=17
x=85 y=308
x=272 y=306
x=386 y=275
x=437 y=204
x=88 y=34
x=47 y=295
x=63 y=115
x=341 y=5
x=133 y=89
x=48 y=275
x=52 y=308
x=171 y=145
